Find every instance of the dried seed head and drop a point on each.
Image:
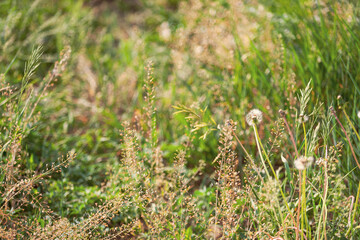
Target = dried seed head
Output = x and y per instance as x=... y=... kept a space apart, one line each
x=282 y=113
x=321 y=161
x=302 y=162
x=252 y=115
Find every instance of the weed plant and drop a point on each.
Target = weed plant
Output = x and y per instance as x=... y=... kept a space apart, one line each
x=171 y=119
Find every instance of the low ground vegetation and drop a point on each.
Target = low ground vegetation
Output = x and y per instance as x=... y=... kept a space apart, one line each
x=170 y=119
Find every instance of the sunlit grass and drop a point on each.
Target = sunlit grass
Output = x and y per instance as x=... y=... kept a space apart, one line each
x=179 y=119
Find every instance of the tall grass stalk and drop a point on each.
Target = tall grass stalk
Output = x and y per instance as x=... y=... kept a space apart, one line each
x=355 y=208
x=258 y=141
x=358 y=190
x=248 y=157
x=323 y=214
x=260 y=152
x=351 y=124
x=346 y=135
x=282 y=114
x=303 y=188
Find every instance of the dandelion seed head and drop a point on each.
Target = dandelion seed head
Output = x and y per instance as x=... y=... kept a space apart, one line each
x=302 y=162
x=252 y=115
x=299 y=164
x=303 y=118
x=358 y=114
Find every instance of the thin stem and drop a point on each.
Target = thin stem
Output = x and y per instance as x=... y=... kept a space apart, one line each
x=259 y=149
x=303 y=201
x=347 y=137
x=298 y=208
x=303 y=196
x=351 y=207
x=303 y=124
x=356 y=204
x=351 y=124
x=282 y=114
x=323 y=214
x=247 y=155
x=217 y=193
x=353 y=217
x=272 y=169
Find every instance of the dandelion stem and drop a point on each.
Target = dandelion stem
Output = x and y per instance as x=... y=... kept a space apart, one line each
x=248 y=156
x=259 y=148
x=272 y=169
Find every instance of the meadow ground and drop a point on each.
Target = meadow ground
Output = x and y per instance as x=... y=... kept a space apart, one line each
x=179 y=119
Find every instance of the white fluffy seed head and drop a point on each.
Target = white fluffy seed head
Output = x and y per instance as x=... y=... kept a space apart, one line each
x=303 y=118
x=299 y=164
x=302 y=162
x=254 y=114
x=358 y=114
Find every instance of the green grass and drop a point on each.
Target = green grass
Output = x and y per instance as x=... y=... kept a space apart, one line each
x=170 y=167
